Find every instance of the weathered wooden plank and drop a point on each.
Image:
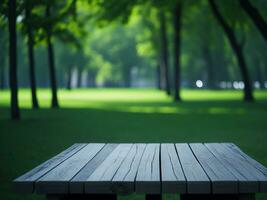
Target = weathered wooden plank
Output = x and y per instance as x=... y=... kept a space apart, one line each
x=101 y=179
x=148 y=175
x=248 y=168
x=25 y=183
x=124 y=180
x=77 y=183
x=253 y=162
x=147 y=168
x=223 y=182
x=247 y=182
x=57 y=180
x=172 y=176
x=197 y=180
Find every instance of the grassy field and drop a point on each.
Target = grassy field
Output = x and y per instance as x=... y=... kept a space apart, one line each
x=119 y=115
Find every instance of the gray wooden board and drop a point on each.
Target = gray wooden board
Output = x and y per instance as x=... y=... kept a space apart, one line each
x=196 y=179
x=25 y=183
x=247 y=182
x=148 y=175
x=100 y=180
x=238 y=151
x=124 y=180
x=77 y=183
x=172 y=176
x=222 y=180
x=147 y=168
x=57 y=180
x=249 y=167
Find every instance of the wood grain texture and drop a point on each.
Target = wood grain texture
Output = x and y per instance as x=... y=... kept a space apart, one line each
x=249 y=168
x=247 y=183
x=196 y=179
x=210 y=169
x=77 y=183
x=172 y=176
x=101 y=179
x=57 y=180
x=26 y=182
x=124 y=180
x=223 y=181
x=148 y=175
x=238 y=151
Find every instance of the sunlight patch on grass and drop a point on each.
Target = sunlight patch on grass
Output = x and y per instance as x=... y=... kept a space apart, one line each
x=179 y=110
x=138 y=100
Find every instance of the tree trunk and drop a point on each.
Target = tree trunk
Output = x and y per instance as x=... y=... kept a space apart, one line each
x=69 y=78
x=209 y=64
x=1 y=64
x=177 y=13
x=51 y=63
x=2 y=70
x=237 y=48
x=164 y=52
x=255 y=16
x=2 y=77
x=35 y=103
x=2 y=58
x=79 y=77
x=15 y=112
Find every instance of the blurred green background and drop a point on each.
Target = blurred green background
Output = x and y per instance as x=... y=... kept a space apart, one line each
x=129 y=71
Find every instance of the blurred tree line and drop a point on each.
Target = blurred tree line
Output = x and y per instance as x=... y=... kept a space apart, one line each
x=165 y=44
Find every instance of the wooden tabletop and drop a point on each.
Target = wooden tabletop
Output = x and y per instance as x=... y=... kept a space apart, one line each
x=195 y=168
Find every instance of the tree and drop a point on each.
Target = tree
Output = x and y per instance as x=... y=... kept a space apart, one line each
x=148 y=37
x=30 y=43
x=51 y=61
x=256 y=57
x=55 y=25
x=255 y=16
x=15 y=112
x=69 y=60
x=164 y=52
x=3 y=47
x=177 y=13
x=116 y=57
x=237 y=48
x=207 y=35
x=81 y=63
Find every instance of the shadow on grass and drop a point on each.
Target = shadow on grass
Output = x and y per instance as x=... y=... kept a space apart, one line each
x=168 y=107
x=42 y=133
x=126 y=121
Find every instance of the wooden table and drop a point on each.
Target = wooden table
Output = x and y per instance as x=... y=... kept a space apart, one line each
x=103 y=171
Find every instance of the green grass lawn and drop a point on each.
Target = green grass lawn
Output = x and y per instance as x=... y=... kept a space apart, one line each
x=120 y=115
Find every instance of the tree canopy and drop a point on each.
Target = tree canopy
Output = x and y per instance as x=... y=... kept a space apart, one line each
x=166 y=44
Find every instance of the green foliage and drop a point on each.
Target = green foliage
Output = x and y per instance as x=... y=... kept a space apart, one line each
x=106 y=11
x=148 y=37
x=117 y=46
x=62 y=21
x=115 y=38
